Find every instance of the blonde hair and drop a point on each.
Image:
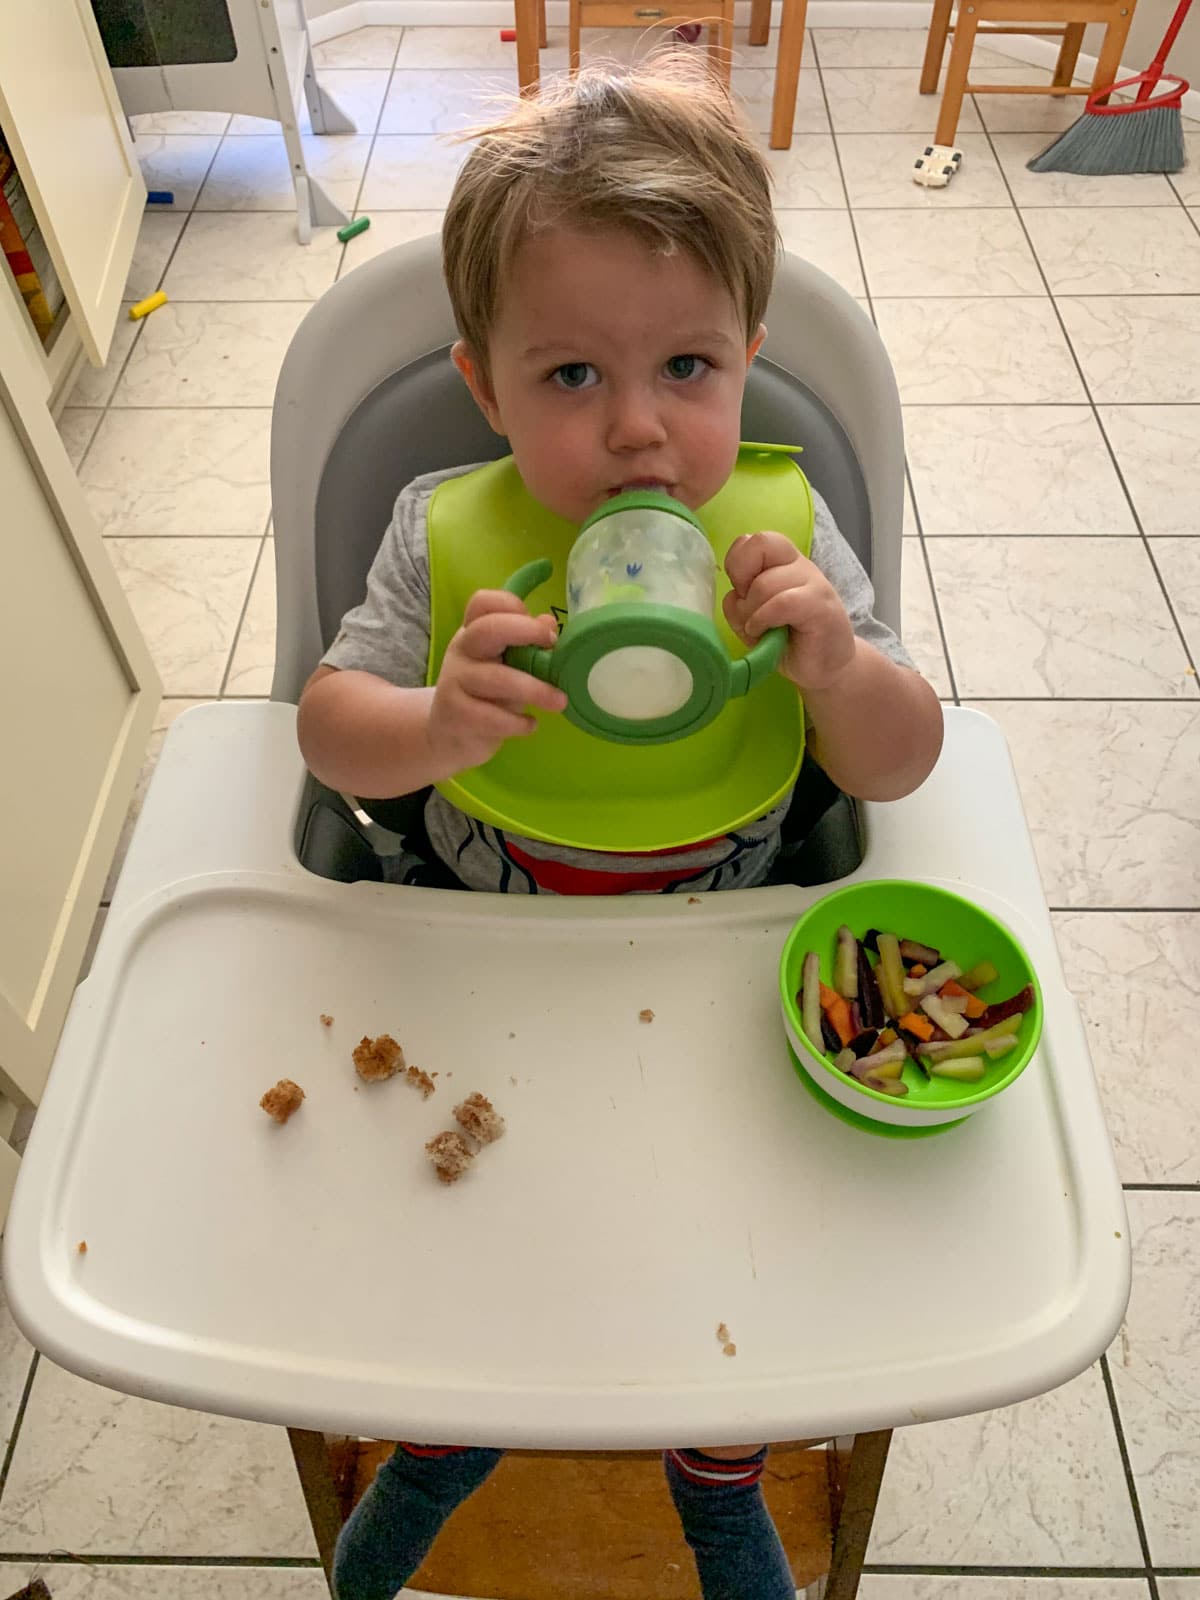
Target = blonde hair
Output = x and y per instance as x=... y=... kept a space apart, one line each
x=658 y=149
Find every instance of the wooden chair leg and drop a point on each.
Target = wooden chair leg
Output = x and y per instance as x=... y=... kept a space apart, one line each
x=956 y=74
x=1068 y=55
x=725 y=45
x=855 y=1475
x=321 y=1490
x=787 y=72
x=760 y=21
x=1108 y=63
x=542 y=35
x=528 y=32
x=935 y=45
x=574 y=37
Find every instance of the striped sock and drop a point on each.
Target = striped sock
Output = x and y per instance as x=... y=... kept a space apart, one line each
x=728 y=1527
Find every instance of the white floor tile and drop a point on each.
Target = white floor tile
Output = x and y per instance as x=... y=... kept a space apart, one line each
x=755 y=91
x=1187 y=183
x=16 y=1357
x=388 y=228
x=919 y=623
x=444 y=99
x=1071 y=188
x=210 y=122
x=978 y=351
x=1137 y=349
x=187 y=596
x=806 y=175
x=885 y=100
x=1109 y=790
x=253 y=662
x=885 y=47
x=76 y=428
x=214 y=354
x=1179 y=563
x=411 y=172
x=826 y=238
x=362 y=47
x=1154 y=1372
x=1116 y=250
x=176 y=162
x=255 y=174
x=878 y=168
x=95 y=385
x=880 y=1586
x=1014 y=471
x=358 y=94
x=180 y=472
x=251 y=256
x=1131 y=973
x=102 y=1473
x=1157 y=448
x=1060 y=617
x=1025 y=113
x=964 y=252
x=98 y=1582
x=157 y=237
x=1037 y=1484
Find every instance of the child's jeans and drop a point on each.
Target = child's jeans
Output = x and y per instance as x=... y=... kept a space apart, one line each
x=725 y=1521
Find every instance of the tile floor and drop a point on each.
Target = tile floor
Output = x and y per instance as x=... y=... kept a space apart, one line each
x=1046 y=334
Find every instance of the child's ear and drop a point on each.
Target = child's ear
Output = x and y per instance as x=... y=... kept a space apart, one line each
x=756 y=343
x=476 y=379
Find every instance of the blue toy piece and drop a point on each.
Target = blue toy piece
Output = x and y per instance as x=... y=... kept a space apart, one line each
x=160 y=197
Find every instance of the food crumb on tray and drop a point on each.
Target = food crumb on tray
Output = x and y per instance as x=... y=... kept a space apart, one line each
x=477 y=1116
x=728 y=1348
x=377 y=1059
x=281 y=1101
x=421 y=1080
x=81 y=1248
x=451 y=1155
x=646 y=1016
x=326 y=1020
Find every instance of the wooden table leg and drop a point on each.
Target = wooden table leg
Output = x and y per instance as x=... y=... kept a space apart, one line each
x=1108 y=63
x=528 y=34
x=787 y=72
x=542 y=35
x=855 y=1474
x=318 y=1484
x=935 y=45
x=760 y=21
x=956 y=74
x=1068 y=54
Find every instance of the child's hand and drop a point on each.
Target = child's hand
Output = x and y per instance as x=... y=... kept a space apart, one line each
x=775 y=586
x=479 y=702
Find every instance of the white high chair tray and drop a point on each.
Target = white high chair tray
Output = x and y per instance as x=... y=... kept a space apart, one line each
x=656 y=1179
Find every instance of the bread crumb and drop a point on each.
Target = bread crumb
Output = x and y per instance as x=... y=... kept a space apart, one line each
x=646 y=1016
x=326 y=1020
x=722 y=1333
x=451 y=1155
x=81 y=1247
x=421 y=1080
x=693 y=899
x=478 y=1116
x=377 y=1059
x=729 y=1348
x=282 y=1100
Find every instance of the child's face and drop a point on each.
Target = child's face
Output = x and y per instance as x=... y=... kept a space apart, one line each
x=612 y=367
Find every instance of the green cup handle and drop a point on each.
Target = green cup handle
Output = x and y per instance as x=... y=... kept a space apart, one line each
x=527 y=657
x=758 y=663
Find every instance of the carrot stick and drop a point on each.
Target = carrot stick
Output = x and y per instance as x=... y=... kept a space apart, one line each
x=917 y=1024
x=837 y=1008
x=975 y=1006
x=917 y=970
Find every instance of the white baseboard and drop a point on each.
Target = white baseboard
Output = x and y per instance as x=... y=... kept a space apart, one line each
x=821 y=14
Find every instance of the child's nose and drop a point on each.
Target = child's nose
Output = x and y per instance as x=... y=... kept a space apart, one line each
x=635 y=422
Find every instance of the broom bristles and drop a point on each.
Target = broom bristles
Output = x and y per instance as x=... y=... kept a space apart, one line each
x=1097 y=145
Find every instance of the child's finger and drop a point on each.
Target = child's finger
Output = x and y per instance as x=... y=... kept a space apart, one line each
x=503 y=685
x=488 y=636
x=754 y=553
x=485 y=602
x=774 y=581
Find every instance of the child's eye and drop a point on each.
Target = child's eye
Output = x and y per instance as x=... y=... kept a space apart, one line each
x=685 y=369
x=576 y=375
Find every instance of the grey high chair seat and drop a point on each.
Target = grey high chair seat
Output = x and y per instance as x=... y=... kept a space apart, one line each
x=367 y=399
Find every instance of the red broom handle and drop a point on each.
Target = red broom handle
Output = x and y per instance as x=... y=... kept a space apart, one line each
x=1155 y=69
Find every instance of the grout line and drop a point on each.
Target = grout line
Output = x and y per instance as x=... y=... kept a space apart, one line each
x=930 y=1570
x=68 y=1558
x=1095 y=410
x=1160 y=1188
x=1127 y=911
x=1130 y=1481
x=18 y=1420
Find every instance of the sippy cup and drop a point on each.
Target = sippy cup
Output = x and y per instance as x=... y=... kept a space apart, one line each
x=639 y=657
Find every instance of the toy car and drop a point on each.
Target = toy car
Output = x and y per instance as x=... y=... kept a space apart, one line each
x=936 y=165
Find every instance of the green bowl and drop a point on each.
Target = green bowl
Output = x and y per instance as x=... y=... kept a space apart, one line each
x=962 y=932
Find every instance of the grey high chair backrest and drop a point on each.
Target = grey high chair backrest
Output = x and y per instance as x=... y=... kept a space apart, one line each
x=367 y=399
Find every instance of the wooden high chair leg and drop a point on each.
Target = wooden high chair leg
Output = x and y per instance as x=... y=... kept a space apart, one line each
x=760 y=21
x=1068 y=55
x=965 y=29
x=1108 y=63
x=855 y=1475
x=574 y=37
x=935 y=45
x=528 y=33
x=787 y=72
x=317 y=1461
x=542 y=36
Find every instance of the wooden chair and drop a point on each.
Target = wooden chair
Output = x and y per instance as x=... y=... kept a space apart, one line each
x=1056 y=19
x=718 y=15
x=563 y=1526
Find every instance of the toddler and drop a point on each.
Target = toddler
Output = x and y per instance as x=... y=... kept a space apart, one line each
x=609 y=250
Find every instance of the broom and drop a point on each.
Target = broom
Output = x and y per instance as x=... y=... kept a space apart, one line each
x=1141 y=135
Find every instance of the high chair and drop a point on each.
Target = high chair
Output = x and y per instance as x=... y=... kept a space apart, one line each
x=1063 y=19
x=564 y=1297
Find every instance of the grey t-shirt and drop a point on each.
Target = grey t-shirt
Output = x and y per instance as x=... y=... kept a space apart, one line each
x=388 y=635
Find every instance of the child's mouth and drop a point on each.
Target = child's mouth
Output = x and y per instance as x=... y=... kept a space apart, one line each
x=640 y=483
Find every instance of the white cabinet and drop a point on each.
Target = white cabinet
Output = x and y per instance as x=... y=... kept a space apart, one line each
x=78 y=690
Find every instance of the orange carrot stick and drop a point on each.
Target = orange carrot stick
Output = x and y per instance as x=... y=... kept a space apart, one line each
x=915 y=1023
x=975 y=1006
